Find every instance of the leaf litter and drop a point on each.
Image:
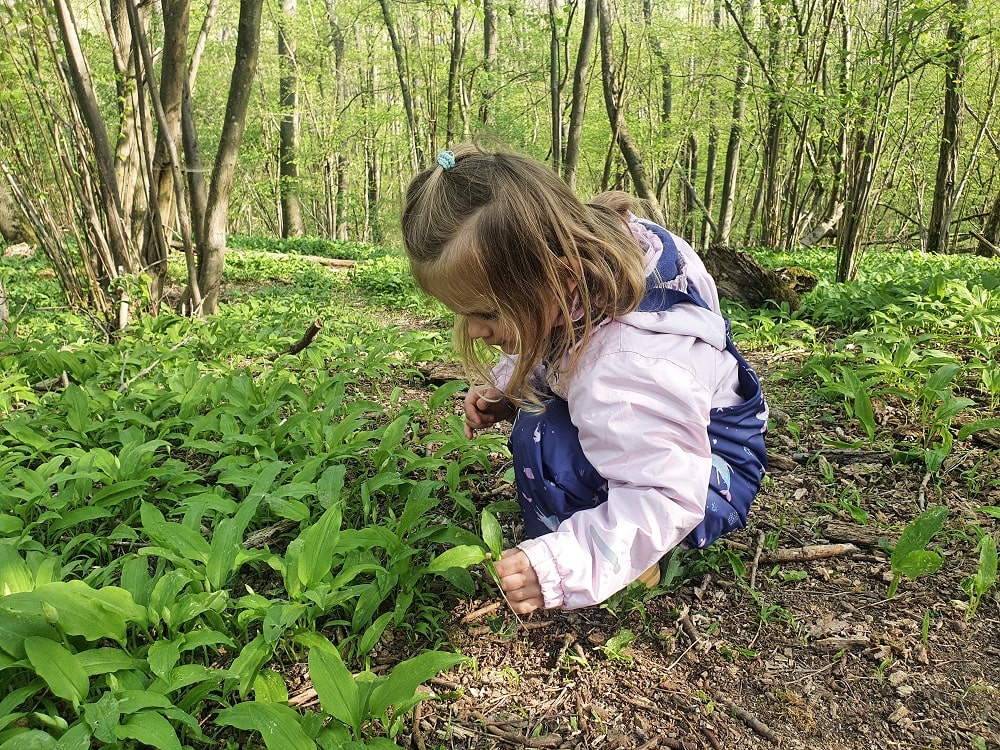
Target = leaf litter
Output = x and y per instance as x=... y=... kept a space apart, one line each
x=815 y=655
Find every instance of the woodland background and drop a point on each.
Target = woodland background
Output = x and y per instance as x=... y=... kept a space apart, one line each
x=216 y=531
x=130 y=128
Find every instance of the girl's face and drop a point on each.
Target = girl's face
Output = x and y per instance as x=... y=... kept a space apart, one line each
x=488 y=327
x=469 y=297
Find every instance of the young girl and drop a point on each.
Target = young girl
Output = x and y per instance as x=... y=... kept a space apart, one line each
x=637 y=424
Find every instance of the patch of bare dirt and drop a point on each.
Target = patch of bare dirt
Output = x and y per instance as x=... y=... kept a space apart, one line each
x=805 y=652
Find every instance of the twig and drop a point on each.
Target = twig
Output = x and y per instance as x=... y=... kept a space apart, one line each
x=922 y=494
x=756 y=559
x=416 y=735
x=845 y=456
x=712 y=739
x=747 y=718
x=862 y=536
x=805 y=554
x=568 y=639
x=647 y=705
x=146 y=370
x=304 y=698
x=682 y=655
x=688 y=627
x=307 y=338
x=549 y=740
x=489 y=609
x=262 y=536
x=446 y=683
x=319 y=259
x=535 y=625
x=52 y=384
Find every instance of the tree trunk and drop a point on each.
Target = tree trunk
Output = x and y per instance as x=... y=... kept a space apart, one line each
x=373 y=191
x=454 y=72
x=990 y=240
x=578 y=106
x=197 y=185
x=742 y=279
x=488 y=87
x=212 y=257
x=943 y=205
x=689 y=178
x=403 y=72
x=11 y=222
x=555 y=88
x=288 y=150
x=666 y=94
x=620 y=133
x=121 y=254
x=770 y=216
x=163 y=199
x=135 y=134
x=157 y=238
x=4 y=311
x=338 y=220
x=711 y=161
x=835 y=205
x=727 y=200
x=195 y=172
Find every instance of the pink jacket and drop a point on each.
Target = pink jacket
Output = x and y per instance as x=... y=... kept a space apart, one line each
x=640 y=397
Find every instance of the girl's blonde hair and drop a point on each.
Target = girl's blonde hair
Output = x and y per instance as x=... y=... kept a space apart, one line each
x=504 y=233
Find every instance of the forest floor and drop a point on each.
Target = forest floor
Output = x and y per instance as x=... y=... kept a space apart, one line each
x=750 y=652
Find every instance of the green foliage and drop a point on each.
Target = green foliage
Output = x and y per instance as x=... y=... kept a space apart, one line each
x=317 y=246
x=334 y=501
x=115 y=600
x=979 y=583
x=387 y=280
x=909 y=557
x=915 y=332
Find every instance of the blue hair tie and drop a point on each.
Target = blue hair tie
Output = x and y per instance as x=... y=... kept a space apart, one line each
x=446 y=159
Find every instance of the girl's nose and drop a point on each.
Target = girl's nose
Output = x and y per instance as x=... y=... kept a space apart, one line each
x=477 y=330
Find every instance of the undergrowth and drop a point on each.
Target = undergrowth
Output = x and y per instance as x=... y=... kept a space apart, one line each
x=188 y=512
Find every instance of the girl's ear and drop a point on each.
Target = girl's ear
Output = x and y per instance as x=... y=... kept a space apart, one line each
x=571 y=273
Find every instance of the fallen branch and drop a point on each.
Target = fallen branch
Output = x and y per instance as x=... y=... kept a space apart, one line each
x=549 y=740
x=758 y=551
x=330 y=262
x=713 y=740
x=806 y=554
x=862 y=536
x=307 y=338
x=647 y=705
x=481 y=612
x=416 y=734
x=688 y=627
x=747 y=718
x=847 y=456
x=262 y=536
x=52 y=384
x=304 y=698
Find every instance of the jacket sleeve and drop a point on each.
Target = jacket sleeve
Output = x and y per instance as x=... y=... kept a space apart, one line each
x=643 y=424
x=503 y=370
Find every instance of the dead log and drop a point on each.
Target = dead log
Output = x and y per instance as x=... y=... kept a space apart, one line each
x=742 y=279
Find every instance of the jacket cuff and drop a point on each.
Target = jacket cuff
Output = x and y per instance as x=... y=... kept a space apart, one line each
x=549 y=578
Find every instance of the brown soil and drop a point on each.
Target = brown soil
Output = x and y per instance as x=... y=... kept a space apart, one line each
x=791 y=654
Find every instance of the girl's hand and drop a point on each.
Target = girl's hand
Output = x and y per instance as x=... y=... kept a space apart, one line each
x=485 y=406
x=519 y=582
